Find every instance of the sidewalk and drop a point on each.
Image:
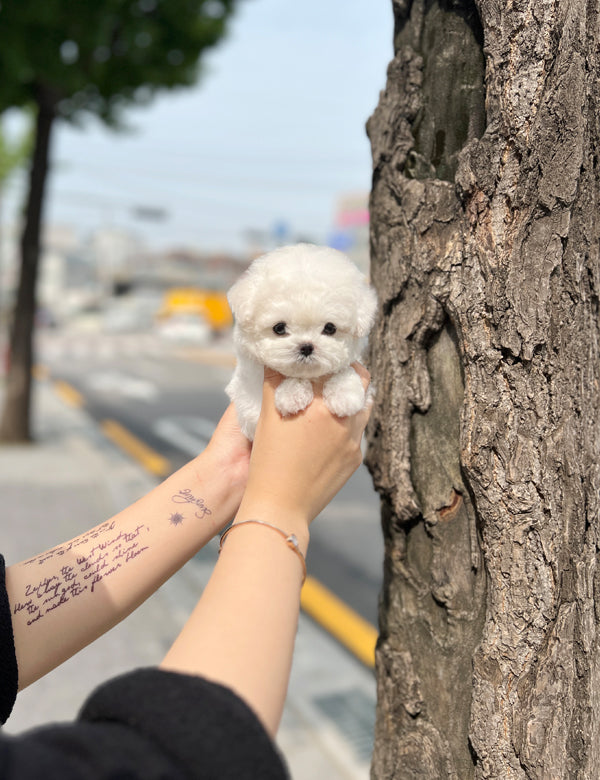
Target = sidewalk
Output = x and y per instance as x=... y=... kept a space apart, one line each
x=72 y=479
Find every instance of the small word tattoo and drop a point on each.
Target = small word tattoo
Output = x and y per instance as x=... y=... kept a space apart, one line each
x=82 y=571
x=185 y=497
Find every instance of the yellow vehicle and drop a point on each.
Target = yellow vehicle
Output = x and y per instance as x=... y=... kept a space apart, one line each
x=212 y=306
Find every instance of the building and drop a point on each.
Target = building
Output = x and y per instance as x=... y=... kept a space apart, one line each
x=351 y=228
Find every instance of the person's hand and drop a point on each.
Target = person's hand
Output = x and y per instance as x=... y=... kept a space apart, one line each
x=300 y=462
x=230 y=450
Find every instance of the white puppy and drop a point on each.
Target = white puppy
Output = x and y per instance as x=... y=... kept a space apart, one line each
x=300 y=310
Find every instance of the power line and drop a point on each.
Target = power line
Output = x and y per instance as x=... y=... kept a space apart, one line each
x=211 y=179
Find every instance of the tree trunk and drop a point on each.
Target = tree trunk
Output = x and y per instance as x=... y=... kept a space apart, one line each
x=484 y=437
x=15 y=422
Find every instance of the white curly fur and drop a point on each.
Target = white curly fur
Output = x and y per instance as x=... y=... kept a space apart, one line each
x=305 y=287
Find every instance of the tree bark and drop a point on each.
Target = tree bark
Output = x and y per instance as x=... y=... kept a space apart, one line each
x=484 y=437
x=15 y=424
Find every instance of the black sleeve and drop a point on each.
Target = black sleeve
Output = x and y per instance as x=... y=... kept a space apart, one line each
x=149 y=725
x=9 y=678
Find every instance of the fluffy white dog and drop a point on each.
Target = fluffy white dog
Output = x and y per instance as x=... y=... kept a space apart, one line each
x=303 y=311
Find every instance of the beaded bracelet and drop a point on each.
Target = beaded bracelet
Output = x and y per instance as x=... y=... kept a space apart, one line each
x=290 y=539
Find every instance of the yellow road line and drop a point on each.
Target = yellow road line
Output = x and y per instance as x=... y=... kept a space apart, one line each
x=68 y=394
x=149 y=459
x=342 y=622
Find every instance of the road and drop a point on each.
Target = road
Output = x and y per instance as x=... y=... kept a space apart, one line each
x=170 y=397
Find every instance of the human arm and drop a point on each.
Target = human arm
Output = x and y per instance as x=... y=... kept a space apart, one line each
x=242 y=632
x=66 y=597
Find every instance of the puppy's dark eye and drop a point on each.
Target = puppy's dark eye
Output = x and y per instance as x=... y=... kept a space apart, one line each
x=280 y=329
x=329 y=329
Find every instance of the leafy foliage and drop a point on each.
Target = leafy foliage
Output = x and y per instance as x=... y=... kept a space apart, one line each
x=97 y=56
x=69 y=58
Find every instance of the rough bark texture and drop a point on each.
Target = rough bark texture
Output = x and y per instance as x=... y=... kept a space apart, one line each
x=16 y=415
x=485 y=433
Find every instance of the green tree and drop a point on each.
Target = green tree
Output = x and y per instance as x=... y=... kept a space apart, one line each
x=72 y=60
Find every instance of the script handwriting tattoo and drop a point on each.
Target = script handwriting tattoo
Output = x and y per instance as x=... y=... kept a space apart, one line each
x=110 y=552
x=185 y=497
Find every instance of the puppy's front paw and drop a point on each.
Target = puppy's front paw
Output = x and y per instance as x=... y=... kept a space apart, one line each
x=344 y=394
x=293 y=395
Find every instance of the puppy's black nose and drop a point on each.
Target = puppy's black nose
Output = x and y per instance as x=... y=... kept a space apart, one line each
x=306 y=349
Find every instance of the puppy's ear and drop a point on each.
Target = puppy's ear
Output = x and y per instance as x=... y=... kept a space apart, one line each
x=240 y=298
x=366 y=306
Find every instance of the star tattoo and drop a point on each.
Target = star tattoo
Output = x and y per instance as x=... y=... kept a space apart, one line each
x=176 y=518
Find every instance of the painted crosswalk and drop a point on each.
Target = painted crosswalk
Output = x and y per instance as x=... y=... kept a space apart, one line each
x=119 y=383
x=186 y=433
x=100 y=347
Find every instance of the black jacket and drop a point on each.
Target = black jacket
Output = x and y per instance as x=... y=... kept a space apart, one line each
x=145 y=725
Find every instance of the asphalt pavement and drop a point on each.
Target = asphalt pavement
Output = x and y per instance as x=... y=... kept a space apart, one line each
x=73 y=478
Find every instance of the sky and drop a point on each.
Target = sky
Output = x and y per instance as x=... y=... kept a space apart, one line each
x=268 y=140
